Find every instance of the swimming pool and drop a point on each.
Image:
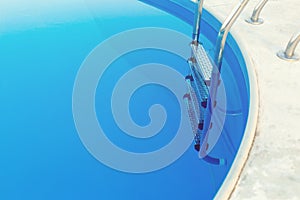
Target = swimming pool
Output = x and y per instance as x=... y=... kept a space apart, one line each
x=42 y=155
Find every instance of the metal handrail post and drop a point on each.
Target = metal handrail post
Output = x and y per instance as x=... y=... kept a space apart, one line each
x=223 y=33
x=197 y=26
x=217 y=64
x=289 y=53
x=221 y=41
x=254 y=19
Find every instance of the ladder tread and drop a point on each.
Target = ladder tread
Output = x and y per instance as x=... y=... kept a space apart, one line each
x=203 y=64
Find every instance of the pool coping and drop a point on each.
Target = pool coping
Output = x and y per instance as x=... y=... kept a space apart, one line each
x=234 y=174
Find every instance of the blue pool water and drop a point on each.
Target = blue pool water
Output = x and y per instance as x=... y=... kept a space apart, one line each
x=42 y=156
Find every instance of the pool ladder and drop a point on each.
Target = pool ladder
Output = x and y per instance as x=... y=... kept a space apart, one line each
x=204 y=80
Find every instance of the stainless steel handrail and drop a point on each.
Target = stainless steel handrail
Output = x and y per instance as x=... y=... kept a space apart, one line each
x=254 y=19
x=217 y=64
x=289 y=53
x=223 y=33
x=198 y=16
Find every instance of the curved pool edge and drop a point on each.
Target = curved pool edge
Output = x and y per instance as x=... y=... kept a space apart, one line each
x=234 y=174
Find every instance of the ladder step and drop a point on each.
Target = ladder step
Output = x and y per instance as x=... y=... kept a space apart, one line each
x=192 y=113
x=198 y=83
x=203 y=64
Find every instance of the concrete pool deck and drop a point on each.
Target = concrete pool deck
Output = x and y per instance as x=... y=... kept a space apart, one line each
x=273 y=167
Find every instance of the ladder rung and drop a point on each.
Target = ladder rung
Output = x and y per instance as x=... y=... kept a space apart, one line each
x=198 y=84
x=192 y=113
x=203 y=63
